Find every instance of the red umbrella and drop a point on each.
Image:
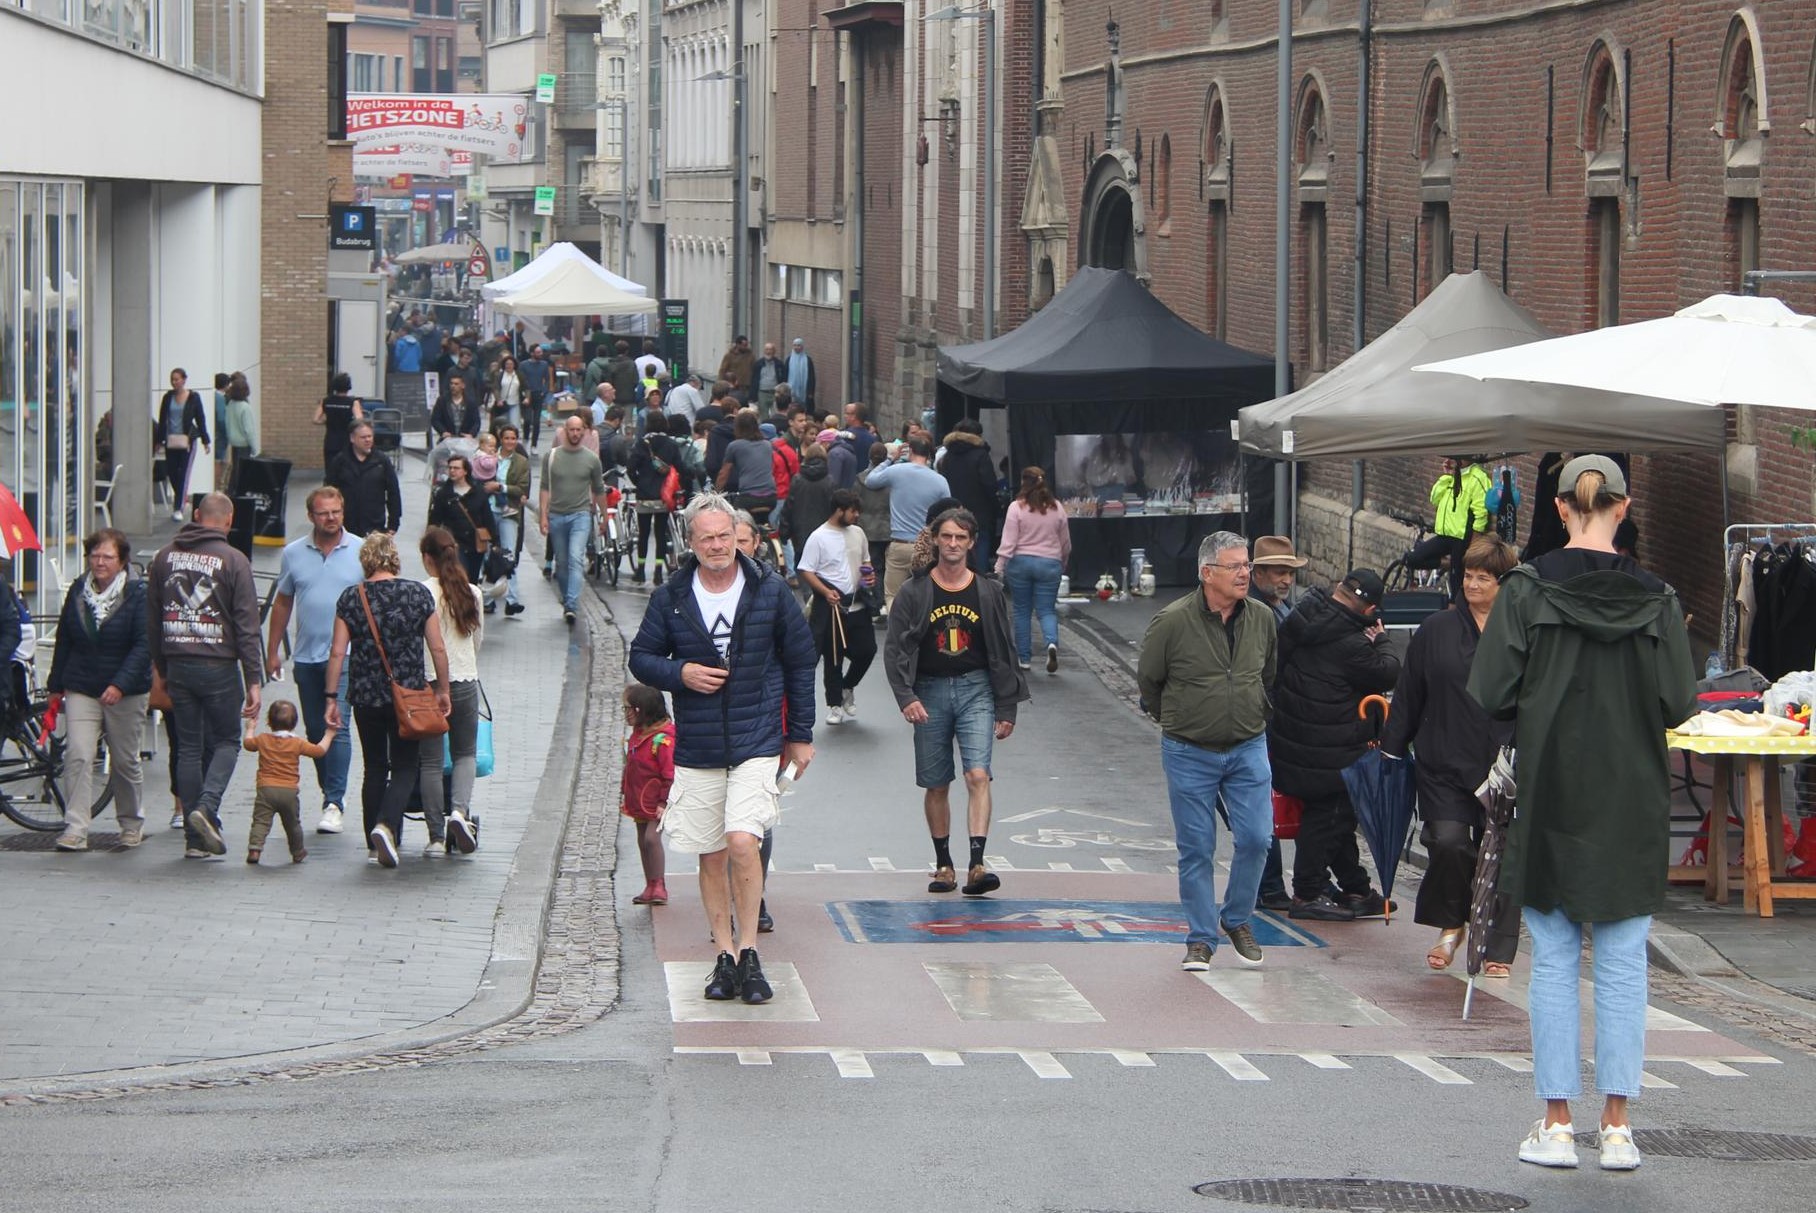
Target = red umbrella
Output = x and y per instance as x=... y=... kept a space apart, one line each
x=16 y=531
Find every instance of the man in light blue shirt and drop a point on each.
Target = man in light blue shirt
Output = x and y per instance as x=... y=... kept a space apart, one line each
x=315 y=570
x=913 y=488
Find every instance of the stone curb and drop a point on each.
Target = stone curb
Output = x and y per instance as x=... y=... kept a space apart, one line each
x=514 y=979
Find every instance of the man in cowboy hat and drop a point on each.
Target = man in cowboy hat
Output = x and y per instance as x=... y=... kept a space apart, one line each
x=1271 y=585
x=1271 y=582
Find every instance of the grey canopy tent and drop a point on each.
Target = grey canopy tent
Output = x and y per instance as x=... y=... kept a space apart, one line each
x=1374 y=404
x=1106 y=377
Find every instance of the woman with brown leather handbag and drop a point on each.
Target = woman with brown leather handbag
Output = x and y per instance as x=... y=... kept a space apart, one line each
x=383 y=624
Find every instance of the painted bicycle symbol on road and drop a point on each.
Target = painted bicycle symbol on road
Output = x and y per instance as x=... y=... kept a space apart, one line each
x=1096 y=838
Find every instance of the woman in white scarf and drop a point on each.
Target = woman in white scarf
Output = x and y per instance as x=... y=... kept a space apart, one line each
x=100 y=678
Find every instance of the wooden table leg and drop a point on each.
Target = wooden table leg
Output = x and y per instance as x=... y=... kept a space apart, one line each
x=1758 y=887
x=1715 y=876
x=1774 y=816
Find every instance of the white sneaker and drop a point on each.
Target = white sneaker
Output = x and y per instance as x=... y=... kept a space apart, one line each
x=384 y=848
x=851 y=705
x=434 y=848
x=176 y=819
x=176 y=515
x=331 y=820
x=1551 y=1145
x=1618 y=1151
x=835 y=715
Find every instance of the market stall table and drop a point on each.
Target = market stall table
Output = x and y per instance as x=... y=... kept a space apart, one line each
x=1762 y=818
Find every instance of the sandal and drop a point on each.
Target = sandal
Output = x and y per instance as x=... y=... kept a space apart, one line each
x=945 y=880
x=1496 y=969
x=1445 y=950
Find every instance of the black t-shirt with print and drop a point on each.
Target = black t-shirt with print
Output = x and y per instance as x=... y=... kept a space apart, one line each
x=401 y=609
x=954 y=640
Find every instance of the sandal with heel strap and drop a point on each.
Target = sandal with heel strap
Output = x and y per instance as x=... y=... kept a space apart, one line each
x=1445 y=950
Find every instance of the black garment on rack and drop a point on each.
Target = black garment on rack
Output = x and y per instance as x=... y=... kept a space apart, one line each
x=1784 y=622
x=1548 y=533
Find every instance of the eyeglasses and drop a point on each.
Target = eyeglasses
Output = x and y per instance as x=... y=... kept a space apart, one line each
x=1244 y=567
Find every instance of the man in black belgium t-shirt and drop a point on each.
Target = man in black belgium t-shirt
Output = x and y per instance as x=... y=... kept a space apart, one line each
x=951 y=664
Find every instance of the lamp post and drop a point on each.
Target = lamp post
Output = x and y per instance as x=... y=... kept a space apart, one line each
x=986 y=14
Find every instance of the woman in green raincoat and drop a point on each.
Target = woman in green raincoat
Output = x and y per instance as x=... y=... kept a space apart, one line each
x=1586 y=652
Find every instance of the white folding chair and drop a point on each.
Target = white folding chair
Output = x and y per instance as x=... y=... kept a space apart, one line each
x=104 y=491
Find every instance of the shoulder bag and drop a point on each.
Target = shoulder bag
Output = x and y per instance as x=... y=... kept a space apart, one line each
x=418 y=715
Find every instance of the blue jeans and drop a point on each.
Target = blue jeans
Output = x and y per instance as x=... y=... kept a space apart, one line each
x=507 y=539
x=1620 y=1004
x=206 y=696
x=1195 y=778
x=1034 y=588
x=312 y=689
x=961 y=709
x=567 y=540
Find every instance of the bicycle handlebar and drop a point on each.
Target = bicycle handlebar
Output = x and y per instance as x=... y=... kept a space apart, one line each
x=1413 y=521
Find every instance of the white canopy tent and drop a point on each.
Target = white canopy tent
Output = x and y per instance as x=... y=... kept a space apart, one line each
x=564 y=281
x=1374 y=405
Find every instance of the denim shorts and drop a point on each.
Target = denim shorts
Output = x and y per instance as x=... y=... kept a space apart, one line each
x=961 y=709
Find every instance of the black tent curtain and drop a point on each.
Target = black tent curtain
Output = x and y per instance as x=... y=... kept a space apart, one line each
x=1169 y=540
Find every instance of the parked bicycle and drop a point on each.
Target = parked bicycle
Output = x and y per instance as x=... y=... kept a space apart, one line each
x=1403 y=576
x=31 y=771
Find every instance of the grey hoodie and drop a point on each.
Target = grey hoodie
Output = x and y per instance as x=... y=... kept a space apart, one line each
x=201 y=603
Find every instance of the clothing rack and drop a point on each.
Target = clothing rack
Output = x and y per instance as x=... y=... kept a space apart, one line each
x=1743 y=534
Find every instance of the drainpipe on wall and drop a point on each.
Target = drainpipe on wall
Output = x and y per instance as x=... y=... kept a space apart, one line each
x=1365 y=33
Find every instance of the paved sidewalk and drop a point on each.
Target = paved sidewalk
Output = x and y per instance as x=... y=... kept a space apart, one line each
x=120 y=960
x=1693 y=937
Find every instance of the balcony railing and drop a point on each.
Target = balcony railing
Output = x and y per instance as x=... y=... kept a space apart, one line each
x=576 y=95
x=216 y=39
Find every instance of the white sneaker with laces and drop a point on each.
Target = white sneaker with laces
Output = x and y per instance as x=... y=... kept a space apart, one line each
x=1550 y=1145
x=1617 y=1148
x=851 y=705
x=176 y=819
x=331 y=820
x=835 y=715
x=434 y=848
x=176 y=515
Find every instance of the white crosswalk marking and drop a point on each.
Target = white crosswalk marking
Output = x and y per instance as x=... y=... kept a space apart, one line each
x=1131 y=1058
x=1653 y=1082
x=1116 y=865
x=1519 y=1065
x=1044 y=1064
x=825 y=867
x=999 y=862
x=1324 y=1061
x=1236 y=1066
x=1060 y=867
x=1432 y=1069
x=852 y=1063
x=754 y=1057
x=881 y=865
x=1715 y=1069
x=942 y=1057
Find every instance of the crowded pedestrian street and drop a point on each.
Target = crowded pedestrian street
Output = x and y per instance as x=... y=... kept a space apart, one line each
x=508 y=1028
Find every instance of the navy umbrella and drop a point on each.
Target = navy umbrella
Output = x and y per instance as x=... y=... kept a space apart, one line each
x=1381 y=791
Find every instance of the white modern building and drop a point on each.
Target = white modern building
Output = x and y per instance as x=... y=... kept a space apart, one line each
x=129 y=241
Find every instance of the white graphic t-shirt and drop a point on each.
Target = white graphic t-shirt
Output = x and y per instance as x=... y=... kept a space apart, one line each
x=720 y=610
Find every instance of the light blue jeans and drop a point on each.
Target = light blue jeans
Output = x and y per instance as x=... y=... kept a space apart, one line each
x=507 y=538
x=1034 y=588
x=1195 y=777
x=1620 y=1004
x=567 y=539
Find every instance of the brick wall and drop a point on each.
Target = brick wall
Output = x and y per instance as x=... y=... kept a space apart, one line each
x=1680 y=244
x=303 y=173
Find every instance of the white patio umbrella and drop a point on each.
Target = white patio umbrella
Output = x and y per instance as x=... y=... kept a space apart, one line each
x=1728 y=349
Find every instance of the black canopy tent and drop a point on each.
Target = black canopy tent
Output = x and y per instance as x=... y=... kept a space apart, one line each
x=1106 y=377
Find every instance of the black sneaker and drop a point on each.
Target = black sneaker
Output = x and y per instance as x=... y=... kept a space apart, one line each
x=723 y=985
x=212 y=842
x=513 y=608
x=1197 y=958
x=1279 y=902
x=1365 y=905
x=765 y=924
x=567 y=617
x=1242 y=942
x=752 y=983
x=1321 y=909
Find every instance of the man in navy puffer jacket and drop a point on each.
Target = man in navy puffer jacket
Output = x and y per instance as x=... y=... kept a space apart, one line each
x=728 y=641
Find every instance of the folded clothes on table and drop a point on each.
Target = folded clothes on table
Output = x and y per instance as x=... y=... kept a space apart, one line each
x=1739 y=724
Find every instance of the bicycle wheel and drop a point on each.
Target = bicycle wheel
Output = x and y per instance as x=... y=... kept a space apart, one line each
x=1397 y=576
x=613 y=551
x=28 y=786
x=103 y=773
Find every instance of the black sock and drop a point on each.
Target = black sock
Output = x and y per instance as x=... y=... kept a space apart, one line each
x=977 y=850
x=942 y=851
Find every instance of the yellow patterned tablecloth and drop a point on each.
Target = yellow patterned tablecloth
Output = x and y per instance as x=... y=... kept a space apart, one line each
x=1782 y=747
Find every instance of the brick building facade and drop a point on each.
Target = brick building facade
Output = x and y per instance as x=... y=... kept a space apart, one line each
x=1605 y=162
x=304 y=171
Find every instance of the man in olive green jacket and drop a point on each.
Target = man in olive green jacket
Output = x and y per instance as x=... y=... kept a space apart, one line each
x=1206 y=671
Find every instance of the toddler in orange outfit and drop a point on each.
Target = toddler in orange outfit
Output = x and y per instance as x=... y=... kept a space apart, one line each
x=279 y=753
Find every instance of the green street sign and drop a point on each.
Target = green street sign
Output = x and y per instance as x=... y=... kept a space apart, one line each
x=545 y=200
x=545 y=88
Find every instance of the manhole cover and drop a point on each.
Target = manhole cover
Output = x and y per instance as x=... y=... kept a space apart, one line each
x=1360 y=1195
x=1719 y=1146
x=46 y=840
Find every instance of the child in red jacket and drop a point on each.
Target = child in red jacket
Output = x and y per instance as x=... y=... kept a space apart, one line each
x=649 y=773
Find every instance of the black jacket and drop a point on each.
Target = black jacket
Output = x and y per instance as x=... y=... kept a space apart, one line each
x=650 y=459
x=1452 y=738
x=444 y=420
x=971 y=474
x=373 y=500
x=1327 y=667
x=463 y=514
x=809 y=501
x=195 y=419
x=908 y=623
x=88 y=660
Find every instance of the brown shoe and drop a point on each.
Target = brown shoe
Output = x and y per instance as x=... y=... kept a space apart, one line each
x=132 y=831
x=945 y=880
x=981 y=881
